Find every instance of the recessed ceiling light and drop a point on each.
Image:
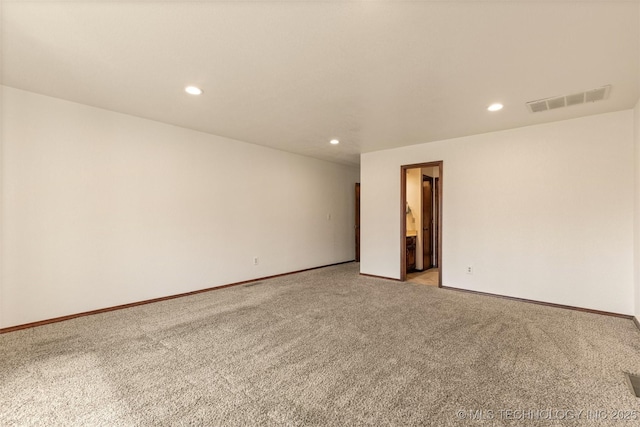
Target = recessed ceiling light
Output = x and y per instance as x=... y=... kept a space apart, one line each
x=334 y=142
x=192 y=90
x=495 y=107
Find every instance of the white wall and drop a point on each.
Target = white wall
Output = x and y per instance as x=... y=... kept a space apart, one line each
x=637 y=209
x=101 y=209
x=637 y=198
x=2 y=138
x=524 y=208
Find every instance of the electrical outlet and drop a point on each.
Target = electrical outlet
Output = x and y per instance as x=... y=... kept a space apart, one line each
x=255 y=260
x=469 y=269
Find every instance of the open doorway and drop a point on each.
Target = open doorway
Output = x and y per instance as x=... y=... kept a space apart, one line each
x=421 y=224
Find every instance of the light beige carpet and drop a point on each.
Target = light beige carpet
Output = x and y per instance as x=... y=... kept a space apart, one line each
x=326 y=348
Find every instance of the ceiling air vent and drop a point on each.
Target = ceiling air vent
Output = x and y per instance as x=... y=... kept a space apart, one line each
x=554 y=102
x=537 y=106
x=574 y=99
x=597 y=94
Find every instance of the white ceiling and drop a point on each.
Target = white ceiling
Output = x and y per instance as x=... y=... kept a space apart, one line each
x=294 y=74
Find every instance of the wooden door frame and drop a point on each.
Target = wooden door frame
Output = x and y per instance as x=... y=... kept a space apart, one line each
x=432 y=233
x=403 y=216
x=436 y=190
x=357 y=221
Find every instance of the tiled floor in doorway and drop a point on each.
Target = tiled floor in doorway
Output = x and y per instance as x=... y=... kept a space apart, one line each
x=427 y=277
